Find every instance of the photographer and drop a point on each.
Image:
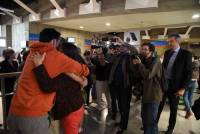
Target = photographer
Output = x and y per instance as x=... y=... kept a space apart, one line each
x=149 y=68
x=120 y=86
x=102 y=68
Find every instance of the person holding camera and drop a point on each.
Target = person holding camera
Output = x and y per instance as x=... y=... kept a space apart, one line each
x=120 y=86
x=150 y=69
x=102 y=68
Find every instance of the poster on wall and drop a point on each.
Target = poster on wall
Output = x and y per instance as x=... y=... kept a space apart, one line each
x=33 y=37
x=132 y=37
x=87 y=43
x=71 y=39
x=161 y=46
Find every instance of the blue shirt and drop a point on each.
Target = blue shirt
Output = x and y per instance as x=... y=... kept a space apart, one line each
x=171 y=63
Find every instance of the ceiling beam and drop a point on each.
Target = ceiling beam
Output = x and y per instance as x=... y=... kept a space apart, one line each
x=165 y=31
x=88 y=8
x=190 y=28
x=12 y=15
x=25 y=7
x=58 y=12
x=146 y=32
x=16 y=19
x=2 y=13
x=33 y=16
x=7 y=10
x=55 y=4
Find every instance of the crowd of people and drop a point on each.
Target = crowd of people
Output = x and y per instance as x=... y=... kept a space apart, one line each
x=55 y=77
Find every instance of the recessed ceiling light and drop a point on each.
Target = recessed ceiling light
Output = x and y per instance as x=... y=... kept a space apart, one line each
x=108 y=24
x=81 y=27
x=195 y=16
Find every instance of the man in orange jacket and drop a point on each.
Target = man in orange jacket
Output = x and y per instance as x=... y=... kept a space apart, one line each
x=30 y=105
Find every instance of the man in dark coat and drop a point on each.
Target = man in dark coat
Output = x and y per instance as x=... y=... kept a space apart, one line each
x=177 y=63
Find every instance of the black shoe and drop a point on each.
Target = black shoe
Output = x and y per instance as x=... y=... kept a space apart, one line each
x=169 y=131
x=114 y=115
x=117 y=124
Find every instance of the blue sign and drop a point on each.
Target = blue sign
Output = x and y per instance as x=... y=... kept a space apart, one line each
x=33 y=37
x=88 y=42
x=159 y=43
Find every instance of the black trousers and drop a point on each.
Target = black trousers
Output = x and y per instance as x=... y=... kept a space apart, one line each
x=123 y=96
x=113 y=95
x=173 y=103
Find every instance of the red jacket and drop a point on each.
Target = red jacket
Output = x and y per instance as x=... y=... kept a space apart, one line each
x=29 y=100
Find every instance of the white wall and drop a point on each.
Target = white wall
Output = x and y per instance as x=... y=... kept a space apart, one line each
x=19 y=34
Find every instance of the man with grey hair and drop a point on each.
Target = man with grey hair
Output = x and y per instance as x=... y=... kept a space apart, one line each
x=177 y=63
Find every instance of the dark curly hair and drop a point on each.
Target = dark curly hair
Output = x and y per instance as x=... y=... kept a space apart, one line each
x=7 y=53
x=151 y=46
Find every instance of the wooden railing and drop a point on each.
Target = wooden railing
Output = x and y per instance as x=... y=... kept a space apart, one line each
x=3 y=95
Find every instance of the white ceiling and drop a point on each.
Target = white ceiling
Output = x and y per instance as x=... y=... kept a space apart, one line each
x=129 y=21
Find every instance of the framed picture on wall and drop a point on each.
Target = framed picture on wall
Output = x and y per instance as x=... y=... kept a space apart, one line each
x=71 y=39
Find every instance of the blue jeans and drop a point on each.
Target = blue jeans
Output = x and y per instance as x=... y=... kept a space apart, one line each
x=188 y=95
x=149 y=117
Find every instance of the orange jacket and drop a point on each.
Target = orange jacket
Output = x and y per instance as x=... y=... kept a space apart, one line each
x=29 y=100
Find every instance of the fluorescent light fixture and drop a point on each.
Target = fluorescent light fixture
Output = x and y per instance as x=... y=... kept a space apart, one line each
x=195 y=16
x=108 y=24
x=81 y=27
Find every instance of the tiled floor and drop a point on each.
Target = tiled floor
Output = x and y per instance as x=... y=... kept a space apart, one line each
x=183 y=126
x=91 y=124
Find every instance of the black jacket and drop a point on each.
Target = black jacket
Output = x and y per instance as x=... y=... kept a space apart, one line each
x=68 y=92
x=127 y=70
x=6 y=67
x=181 y=70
